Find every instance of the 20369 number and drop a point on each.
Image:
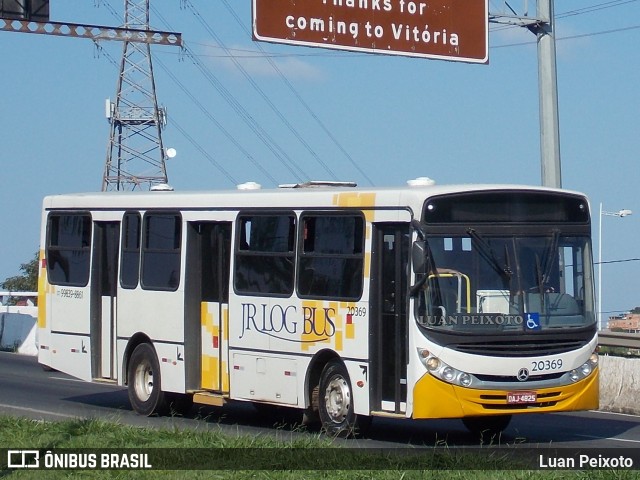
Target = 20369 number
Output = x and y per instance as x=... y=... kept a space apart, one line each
x=357 y=311
x=545 y=365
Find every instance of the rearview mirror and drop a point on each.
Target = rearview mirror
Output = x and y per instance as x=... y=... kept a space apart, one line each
x=419 y=256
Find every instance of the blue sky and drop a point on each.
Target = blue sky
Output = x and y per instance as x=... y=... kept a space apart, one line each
x=397 y=118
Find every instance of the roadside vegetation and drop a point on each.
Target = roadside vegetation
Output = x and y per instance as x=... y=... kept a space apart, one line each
x=27 y=281
x=218 y=455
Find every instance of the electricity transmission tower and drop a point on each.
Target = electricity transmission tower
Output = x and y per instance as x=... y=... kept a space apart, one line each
x=135 y=154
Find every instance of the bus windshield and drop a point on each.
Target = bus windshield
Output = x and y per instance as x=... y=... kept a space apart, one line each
x=488 y=283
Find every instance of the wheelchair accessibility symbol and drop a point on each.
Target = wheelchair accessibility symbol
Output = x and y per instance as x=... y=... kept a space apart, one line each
x=533 y=321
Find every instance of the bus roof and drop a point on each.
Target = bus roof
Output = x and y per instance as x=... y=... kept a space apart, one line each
x=313 y=197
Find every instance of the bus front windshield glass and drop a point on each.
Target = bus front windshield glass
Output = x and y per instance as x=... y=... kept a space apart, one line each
x=480 y=283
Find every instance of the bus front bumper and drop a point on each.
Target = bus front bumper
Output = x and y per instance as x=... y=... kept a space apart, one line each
x=433 y=398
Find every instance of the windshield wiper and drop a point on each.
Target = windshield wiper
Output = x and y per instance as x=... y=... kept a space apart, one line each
x=488 y=254
x=544 y=267
x=550 y=255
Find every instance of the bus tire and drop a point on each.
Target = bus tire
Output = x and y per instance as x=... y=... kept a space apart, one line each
x=489 y=425
x=145 y=390
x=335 y=401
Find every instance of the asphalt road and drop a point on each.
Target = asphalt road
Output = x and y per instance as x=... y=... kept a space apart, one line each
x=28 y=391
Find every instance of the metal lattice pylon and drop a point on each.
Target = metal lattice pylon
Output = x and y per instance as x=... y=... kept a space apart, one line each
x=135 y=155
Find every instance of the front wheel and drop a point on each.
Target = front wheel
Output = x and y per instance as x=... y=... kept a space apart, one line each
x=335 y=401
x=145 y=391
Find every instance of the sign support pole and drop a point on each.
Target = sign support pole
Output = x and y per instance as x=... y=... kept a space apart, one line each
x=548 y=92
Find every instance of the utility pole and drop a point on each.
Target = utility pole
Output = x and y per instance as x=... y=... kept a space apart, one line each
x=543 y=26
x=548 y=86
x=135 y=155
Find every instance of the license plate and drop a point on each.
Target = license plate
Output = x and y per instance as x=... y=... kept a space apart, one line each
x=522 y=397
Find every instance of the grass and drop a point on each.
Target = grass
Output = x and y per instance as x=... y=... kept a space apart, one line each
x=213 y=454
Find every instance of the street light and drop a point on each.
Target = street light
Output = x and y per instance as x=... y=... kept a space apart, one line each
x=621 y=214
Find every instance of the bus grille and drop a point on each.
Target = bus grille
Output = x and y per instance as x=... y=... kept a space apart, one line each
x=514 y=379
x=505 y=348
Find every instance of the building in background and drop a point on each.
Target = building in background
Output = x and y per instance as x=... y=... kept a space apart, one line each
x=627 y=322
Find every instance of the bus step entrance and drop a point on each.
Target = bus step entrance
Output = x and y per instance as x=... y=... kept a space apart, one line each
x=208 y=398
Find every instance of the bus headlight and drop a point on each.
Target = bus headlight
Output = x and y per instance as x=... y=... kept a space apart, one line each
x=432 y=364
x=464 y=379
x=444 y=372
x=584 y=370
x=448 y=374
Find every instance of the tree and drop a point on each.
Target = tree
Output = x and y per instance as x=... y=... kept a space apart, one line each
x=27 y=282
x=636 y=310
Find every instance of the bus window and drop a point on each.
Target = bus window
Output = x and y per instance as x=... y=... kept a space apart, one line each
x=331 y=261
x=265 y=254
x=161 y=251
x=68 y=249
x=130 y=266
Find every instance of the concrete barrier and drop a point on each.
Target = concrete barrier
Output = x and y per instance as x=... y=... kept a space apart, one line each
x=620 y=384
x=18 y=329
x=18 y=323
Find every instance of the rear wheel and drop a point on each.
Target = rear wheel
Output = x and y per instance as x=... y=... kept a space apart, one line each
x=145 y=391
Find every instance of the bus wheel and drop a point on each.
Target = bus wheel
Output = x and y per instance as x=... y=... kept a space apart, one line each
x=145 y=392
x=489 y=425
x=335 y=401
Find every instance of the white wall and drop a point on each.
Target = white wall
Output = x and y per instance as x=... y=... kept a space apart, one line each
x=18 y=324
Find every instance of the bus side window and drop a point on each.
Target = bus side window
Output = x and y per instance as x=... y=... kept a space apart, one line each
x=265 y=254
x=130 y=256
x=332 y=257
x=161 y=251
x=68 y=249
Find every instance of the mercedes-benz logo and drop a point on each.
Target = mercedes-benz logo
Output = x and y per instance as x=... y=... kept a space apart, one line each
x=523 y=375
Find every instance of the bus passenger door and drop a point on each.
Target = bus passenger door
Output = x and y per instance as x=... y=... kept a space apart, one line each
x=388 y=336
x=208 y=258
x=104 y=286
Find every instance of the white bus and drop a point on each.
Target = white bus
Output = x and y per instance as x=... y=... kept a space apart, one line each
x=428 y=301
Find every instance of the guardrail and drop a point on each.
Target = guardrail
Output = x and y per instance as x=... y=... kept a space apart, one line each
x=28 y=296
x=626 y=340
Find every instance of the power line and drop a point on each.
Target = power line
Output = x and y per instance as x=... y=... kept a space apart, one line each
x=249 y=53
x=268 y=141
x=260 y=92
x=249 y=121
x=299 y=97
x=571 y=13
x=594 y=8
x=618 y=261
x=571 y=37
x=205 y=153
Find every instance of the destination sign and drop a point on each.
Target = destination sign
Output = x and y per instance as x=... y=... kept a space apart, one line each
x=456 y=30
